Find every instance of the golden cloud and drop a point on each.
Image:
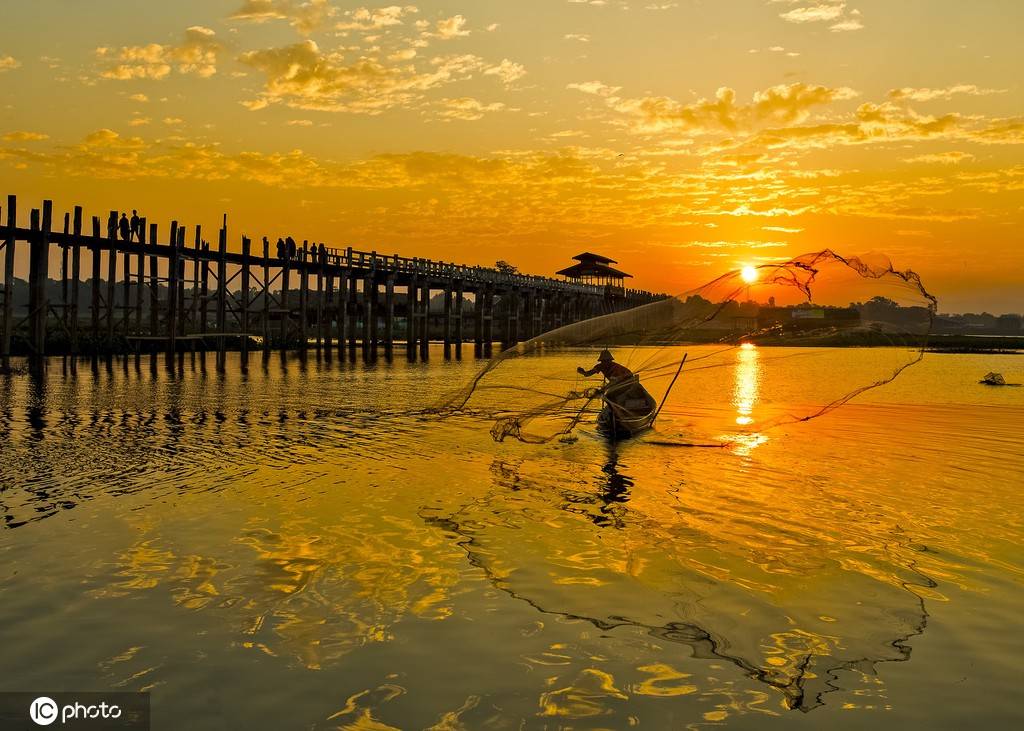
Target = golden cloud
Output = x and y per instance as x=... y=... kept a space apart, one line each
x=22 y=136
x=783 y=103
x=196 y=54
x=304 y=77
x=830 y=11
x=303 y=16
x=947 y=93
x=377 y=19
x=468 y=109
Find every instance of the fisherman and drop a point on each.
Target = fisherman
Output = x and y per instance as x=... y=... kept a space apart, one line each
x=607 y=367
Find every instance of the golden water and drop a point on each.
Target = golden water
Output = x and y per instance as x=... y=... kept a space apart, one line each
x=300 y=547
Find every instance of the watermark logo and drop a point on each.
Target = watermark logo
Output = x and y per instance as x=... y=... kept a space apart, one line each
x=44 y=711
x=75 y=711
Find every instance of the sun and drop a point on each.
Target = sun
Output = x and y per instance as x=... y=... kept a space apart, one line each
x=748 y=274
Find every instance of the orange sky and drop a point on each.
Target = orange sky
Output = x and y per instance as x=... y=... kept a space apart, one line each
x=681 y=138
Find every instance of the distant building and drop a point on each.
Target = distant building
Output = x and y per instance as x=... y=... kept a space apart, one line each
x=807 y=318
x=1010 y=324
x=594 y=269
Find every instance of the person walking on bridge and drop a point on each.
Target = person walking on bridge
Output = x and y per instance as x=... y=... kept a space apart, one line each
x=136 y=223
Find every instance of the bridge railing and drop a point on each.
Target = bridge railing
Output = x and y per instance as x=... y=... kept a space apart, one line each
x=371 y=260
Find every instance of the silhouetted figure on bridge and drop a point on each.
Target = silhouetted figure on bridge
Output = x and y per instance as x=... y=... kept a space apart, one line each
x=136 y=223
x=291 y=247
x=281 y=251
x=322 y=252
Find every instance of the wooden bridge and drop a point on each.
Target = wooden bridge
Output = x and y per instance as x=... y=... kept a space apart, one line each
x=141 y=295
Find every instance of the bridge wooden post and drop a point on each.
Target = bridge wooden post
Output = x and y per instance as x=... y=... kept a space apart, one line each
x=39 y=254
x=111 y=274
x=411 y=315
x=329 y=308
x=154 y=285
x=33 y=293
x=195 y=300
x=389 y=314
x=458 y=318
x=8 y=313
x=180 y=310
x=447 y=324
x=488 y=317
x=266 y=297
x=425 y=320
x=94 y=288
x=342 y=310
x=76 y=274
x=285 y=310
x=303 y=273
x=373 y=313
x=222 y=292
x=528 y=327
x=353 y=311
x=512 y=317
x=538 y=313
x=319 y=298
x=126 y=287
x=172 y=293
x=204 y=293
x=244 y=304
x=140 y=265
x=367 y=312
x=64 y=274
x=478 y=320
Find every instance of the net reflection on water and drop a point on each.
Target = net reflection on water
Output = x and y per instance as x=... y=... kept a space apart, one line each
x=665 y=561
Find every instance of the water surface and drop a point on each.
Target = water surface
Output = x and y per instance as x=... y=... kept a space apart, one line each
x=301 y=546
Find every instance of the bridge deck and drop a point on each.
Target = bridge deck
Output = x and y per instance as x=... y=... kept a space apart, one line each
x=143 y=291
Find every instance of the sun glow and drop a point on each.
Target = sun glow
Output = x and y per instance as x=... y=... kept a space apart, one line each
x=749 y=274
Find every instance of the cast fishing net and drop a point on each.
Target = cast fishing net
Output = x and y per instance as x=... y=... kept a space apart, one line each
x=766 y=345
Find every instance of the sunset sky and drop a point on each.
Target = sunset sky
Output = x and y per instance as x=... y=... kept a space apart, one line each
x=681 y=138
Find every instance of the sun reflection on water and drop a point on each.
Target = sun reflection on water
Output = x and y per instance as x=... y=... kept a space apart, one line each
x=748 y=377
x=745 y=395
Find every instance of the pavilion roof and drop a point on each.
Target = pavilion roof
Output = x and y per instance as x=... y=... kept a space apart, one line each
x=587 y=257
x=592 y=269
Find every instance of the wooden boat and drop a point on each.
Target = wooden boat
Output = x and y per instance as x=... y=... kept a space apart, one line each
x=628 y=409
